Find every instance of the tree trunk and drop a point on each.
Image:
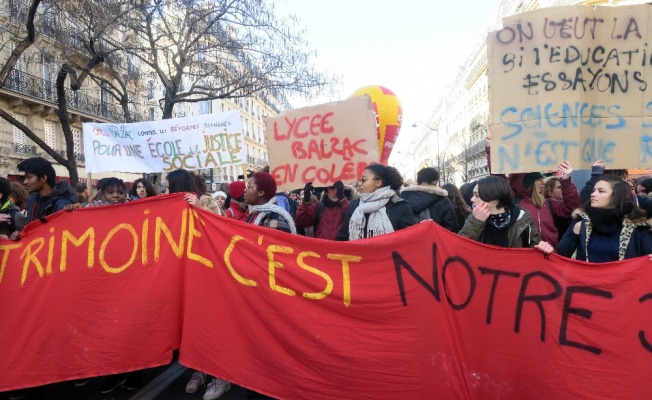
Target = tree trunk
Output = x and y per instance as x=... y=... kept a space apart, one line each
x=71 y=162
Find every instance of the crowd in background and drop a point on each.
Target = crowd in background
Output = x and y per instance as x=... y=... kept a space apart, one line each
x=607 y=220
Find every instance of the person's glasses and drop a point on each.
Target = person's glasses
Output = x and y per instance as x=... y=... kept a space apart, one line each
x=251 y=188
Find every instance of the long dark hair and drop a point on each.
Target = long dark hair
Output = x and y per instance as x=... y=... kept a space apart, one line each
x=622 y=199
x=149 y=188
x=455 y=196
x=181 y=180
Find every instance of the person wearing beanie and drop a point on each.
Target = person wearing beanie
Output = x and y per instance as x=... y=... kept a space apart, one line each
x=528 y=194
x=261 y=195
x=325 y=216
x=237 y=208
x=220 y=197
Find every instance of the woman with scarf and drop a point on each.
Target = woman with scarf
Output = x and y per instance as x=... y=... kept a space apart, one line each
x=261 y=195
x=496 y=220
x=378 y=210
x=610 y=228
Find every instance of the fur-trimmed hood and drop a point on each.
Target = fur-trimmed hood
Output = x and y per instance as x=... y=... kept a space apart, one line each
x=421 y=197
x=428 y=189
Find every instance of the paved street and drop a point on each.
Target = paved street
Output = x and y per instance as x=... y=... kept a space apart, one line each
x=162 y=383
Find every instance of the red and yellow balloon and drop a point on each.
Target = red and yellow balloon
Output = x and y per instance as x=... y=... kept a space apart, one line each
x=389 y=116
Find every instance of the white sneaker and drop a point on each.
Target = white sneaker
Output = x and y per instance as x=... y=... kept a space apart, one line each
x=216 y=388
x=196 y=381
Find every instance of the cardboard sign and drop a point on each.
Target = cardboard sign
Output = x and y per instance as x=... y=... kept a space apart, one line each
x=204 y=141
x=420 y=313
x=571 y=83
x=322 y=144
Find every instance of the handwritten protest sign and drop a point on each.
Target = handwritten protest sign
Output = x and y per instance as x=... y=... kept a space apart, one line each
x=205 y=141
x=571 y=83
x=322 y=144
x=420 y=313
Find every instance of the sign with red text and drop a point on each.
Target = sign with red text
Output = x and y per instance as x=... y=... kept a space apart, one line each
x=204 y=141
x=416 y=314
x=322 y=144
x=571 y=83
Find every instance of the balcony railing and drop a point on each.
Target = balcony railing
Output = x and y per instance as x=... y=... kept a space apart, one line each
x=35 y=87
x=79 y=157
x=22 y=148
x=256 y=161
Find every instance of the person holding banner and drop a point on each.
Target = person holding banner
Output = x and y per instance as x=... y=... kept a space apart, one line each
x=496 y=220
x=610 y=228
x=11 y=219
x=261 y=195
x=378 y=210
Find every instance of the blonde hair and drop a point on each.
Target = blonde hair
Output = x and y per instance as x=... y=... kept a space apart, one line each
x=536 y=197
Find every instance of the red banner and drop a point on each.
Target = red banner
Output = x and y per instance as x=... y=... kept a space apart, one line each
x=420 y=313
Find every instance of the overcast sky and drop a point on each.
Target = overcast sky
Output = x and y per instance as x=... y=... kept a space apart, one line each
x=413 y=47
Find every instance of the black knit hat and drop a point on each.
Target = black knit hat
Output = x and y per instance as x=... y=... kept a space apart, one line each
x=530 y=178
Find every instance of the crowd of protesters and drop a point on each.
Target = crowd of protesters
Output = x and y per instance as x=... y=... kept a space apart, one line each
x=606 y=221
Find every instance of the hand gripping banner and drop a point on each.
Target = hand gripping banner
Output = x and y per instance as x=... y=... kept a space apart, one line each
x=420 y=313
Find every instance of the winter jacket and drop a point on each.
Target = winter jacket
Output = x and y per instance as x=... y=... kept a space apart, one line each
x=40 y=206
x=330 y=221
x=16 y=222
x=634 y=239
x=398 y=211
x=435 y=199
x=543 y=217
x=522 y=232
x=237 y=211
x=272 y=220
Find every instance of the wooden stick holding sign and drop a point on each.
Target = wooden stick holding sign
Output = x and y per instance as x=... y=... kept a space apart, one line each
x=322 y=144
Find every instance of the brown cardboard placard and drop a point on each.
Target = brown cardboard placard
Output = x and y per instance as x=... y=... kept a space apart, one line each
x=322 y=144
x=571 y=83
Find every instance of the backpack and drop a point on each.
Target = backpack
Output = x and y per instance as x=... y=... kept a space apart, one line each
x=423 y=215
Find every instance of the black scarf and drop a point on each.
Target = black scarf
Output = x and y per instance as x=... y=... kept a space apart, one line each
x=497 y=228
x=604 y=220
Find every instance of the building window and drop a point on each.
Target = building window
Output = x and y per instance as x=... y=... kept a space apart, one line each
x=152 y=114
x=201 y=52
x=50 y=130
x=205 y=107
x=76 y=137
x=150 y=90
x=18 y=135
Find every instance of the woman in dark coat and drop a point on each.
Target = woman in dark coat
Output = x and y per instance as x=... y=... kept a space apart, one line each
x=378 y=210
x=610 y=228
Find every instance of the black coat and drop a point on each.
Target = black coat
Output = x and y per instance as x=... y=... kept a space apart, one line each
x=398 y=211
x=435 y=199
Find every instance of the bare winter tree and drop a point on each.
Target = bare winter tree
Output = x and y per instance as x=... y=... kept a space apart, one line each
x=80 y=29
x=201 y=50
x=228 y=49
